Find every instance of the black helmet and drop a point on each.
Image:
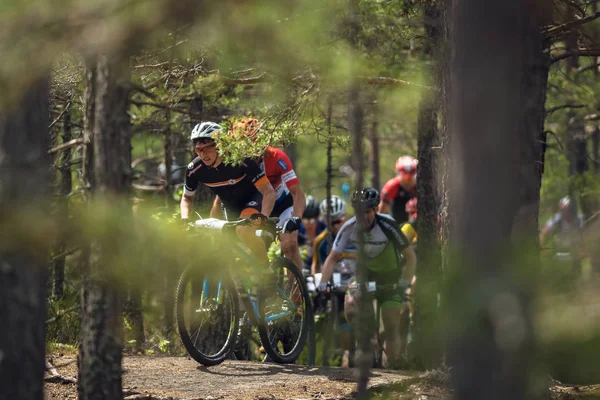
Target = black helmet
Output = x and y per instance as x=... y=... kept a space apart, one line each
x=368 y=197
x=312 y=208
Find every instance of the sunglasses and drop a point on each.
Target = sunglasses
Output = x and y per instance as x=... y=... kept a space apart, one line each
x=337 y=221
x=200 y=150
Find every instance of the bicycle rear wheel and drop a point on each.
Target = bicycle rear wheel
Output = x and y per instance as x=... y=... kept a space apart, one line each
x=206 y=309
x=285 y=316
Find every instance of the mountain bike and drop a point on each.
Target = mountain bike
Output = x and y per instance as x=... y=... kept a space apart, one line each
x=328 y=310
x=209 y=298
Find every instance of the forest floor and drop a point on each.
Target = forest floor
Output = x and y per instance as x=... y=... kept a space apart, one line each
x=179 y=378
x=174 y=378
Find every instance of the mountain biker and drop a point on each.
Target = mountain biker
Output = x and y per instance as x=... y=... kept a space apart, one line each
x=244 y=189
x=566 y=228
x=385 y=248
x=321 y=243
x=289 y=197
x=399 y=190
x=310 y=228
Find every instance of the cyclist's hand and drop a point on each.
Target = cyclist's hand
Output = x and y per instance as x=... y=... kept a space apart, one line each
x=258 y=219
x=291 y=225
x=324 y=287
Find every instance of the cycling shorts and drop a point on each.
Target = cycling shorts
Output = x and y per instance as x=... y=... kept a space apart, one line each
x=243 y=209
x=385 y=298
x=283 y=216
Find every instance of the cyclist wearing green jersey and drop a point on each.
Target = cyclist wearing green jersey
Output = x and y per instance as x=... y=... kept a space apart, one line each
x=385 y=248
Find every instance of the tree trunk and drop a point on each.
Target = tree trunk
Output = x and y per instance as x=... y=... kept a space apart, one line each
x=533 y=138
x=426 y=334
x=168 y=160
x=596 y=149
x=101 y=322
x=374 y=153
x=135 y=317
x=490 y=357
x=23 y=263
x=65 y=187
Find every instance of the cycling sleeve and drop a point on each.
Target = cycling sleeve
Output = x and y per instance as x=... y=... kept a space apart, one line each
x=316 y=243
x=343 y=236
x=191 y=178
x=390 y=190
x=284 y=164
x=254 y=172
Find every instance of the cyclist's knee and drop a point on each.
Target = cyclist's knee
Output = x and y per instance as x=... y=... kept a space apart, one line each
x=245 y=232
x=350 y=307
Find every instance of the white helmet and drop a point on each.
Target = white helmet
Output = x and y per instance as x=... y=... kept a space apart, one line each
x=205 y=130
x=338 y=207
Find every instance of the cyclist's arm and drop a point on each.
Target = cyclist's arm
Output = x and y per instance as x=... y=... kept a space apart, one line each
x=410 y=268
x=548 y=230
x=388 y=192
x=215 y=211
x=289 y=178
x=337 y=251
x=299 y=200
x=316 y=262
x=327 y=271
x=268 y=194
x=185 y=206
x=189 y=190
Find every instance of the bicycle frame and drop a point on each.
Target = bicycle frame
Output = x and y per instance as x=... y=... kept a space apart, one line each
x=249 y=303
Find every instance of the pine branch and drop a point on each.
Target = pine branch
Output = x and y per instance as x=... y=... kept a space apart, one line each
x=562 y=107
x=560 y=29
x=578 y=53
x=69 y=144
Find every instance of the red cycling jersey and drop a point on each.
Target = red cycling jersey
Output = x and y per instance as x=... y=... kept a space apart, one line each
x=279 y=171
x=397 y=195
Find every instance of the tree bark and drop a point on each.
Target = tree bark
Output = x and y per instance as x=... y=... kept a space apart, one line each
x=426 y=329
x=24 y=193
x=65 y=187
x=168 y=160
x=490 y=339
x=374 y=153
x=101 y=322
x=532 y=136
x=135 y=317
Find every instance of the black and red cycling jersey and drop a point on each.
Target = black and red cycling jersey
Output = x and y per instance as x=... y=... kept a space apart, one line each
x=397 y=195
x=235 y=185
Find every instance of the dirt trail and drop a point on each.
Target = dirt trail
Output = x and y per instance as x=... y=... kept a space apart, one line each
x=182 y=378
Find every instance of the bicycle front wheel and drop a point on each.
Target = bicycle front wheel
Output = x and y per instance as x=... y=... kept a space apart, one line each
x=285 y=316
x=207 y=315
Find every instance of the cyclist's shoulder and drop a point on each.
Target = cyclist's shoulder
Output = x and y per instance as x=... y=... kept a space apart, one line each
x=387 y=219
x=321 y=237
x=348 y=226
x=194 y=166
x=277 y=157
x=391 y=184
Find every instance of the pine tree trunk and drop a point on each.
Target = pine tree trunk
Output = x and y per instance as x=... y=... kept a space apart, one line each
x=24 y=193
x=101 y=318
x=531 y=133
x=374 y=153
x=135 y=317
x=490 y=359
x=426 y=330
x=65 y=187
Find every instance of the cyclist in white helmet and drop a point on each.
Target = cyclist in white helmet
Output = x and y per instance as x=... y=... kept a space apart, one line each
x=243 y=189
x=321 y=243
